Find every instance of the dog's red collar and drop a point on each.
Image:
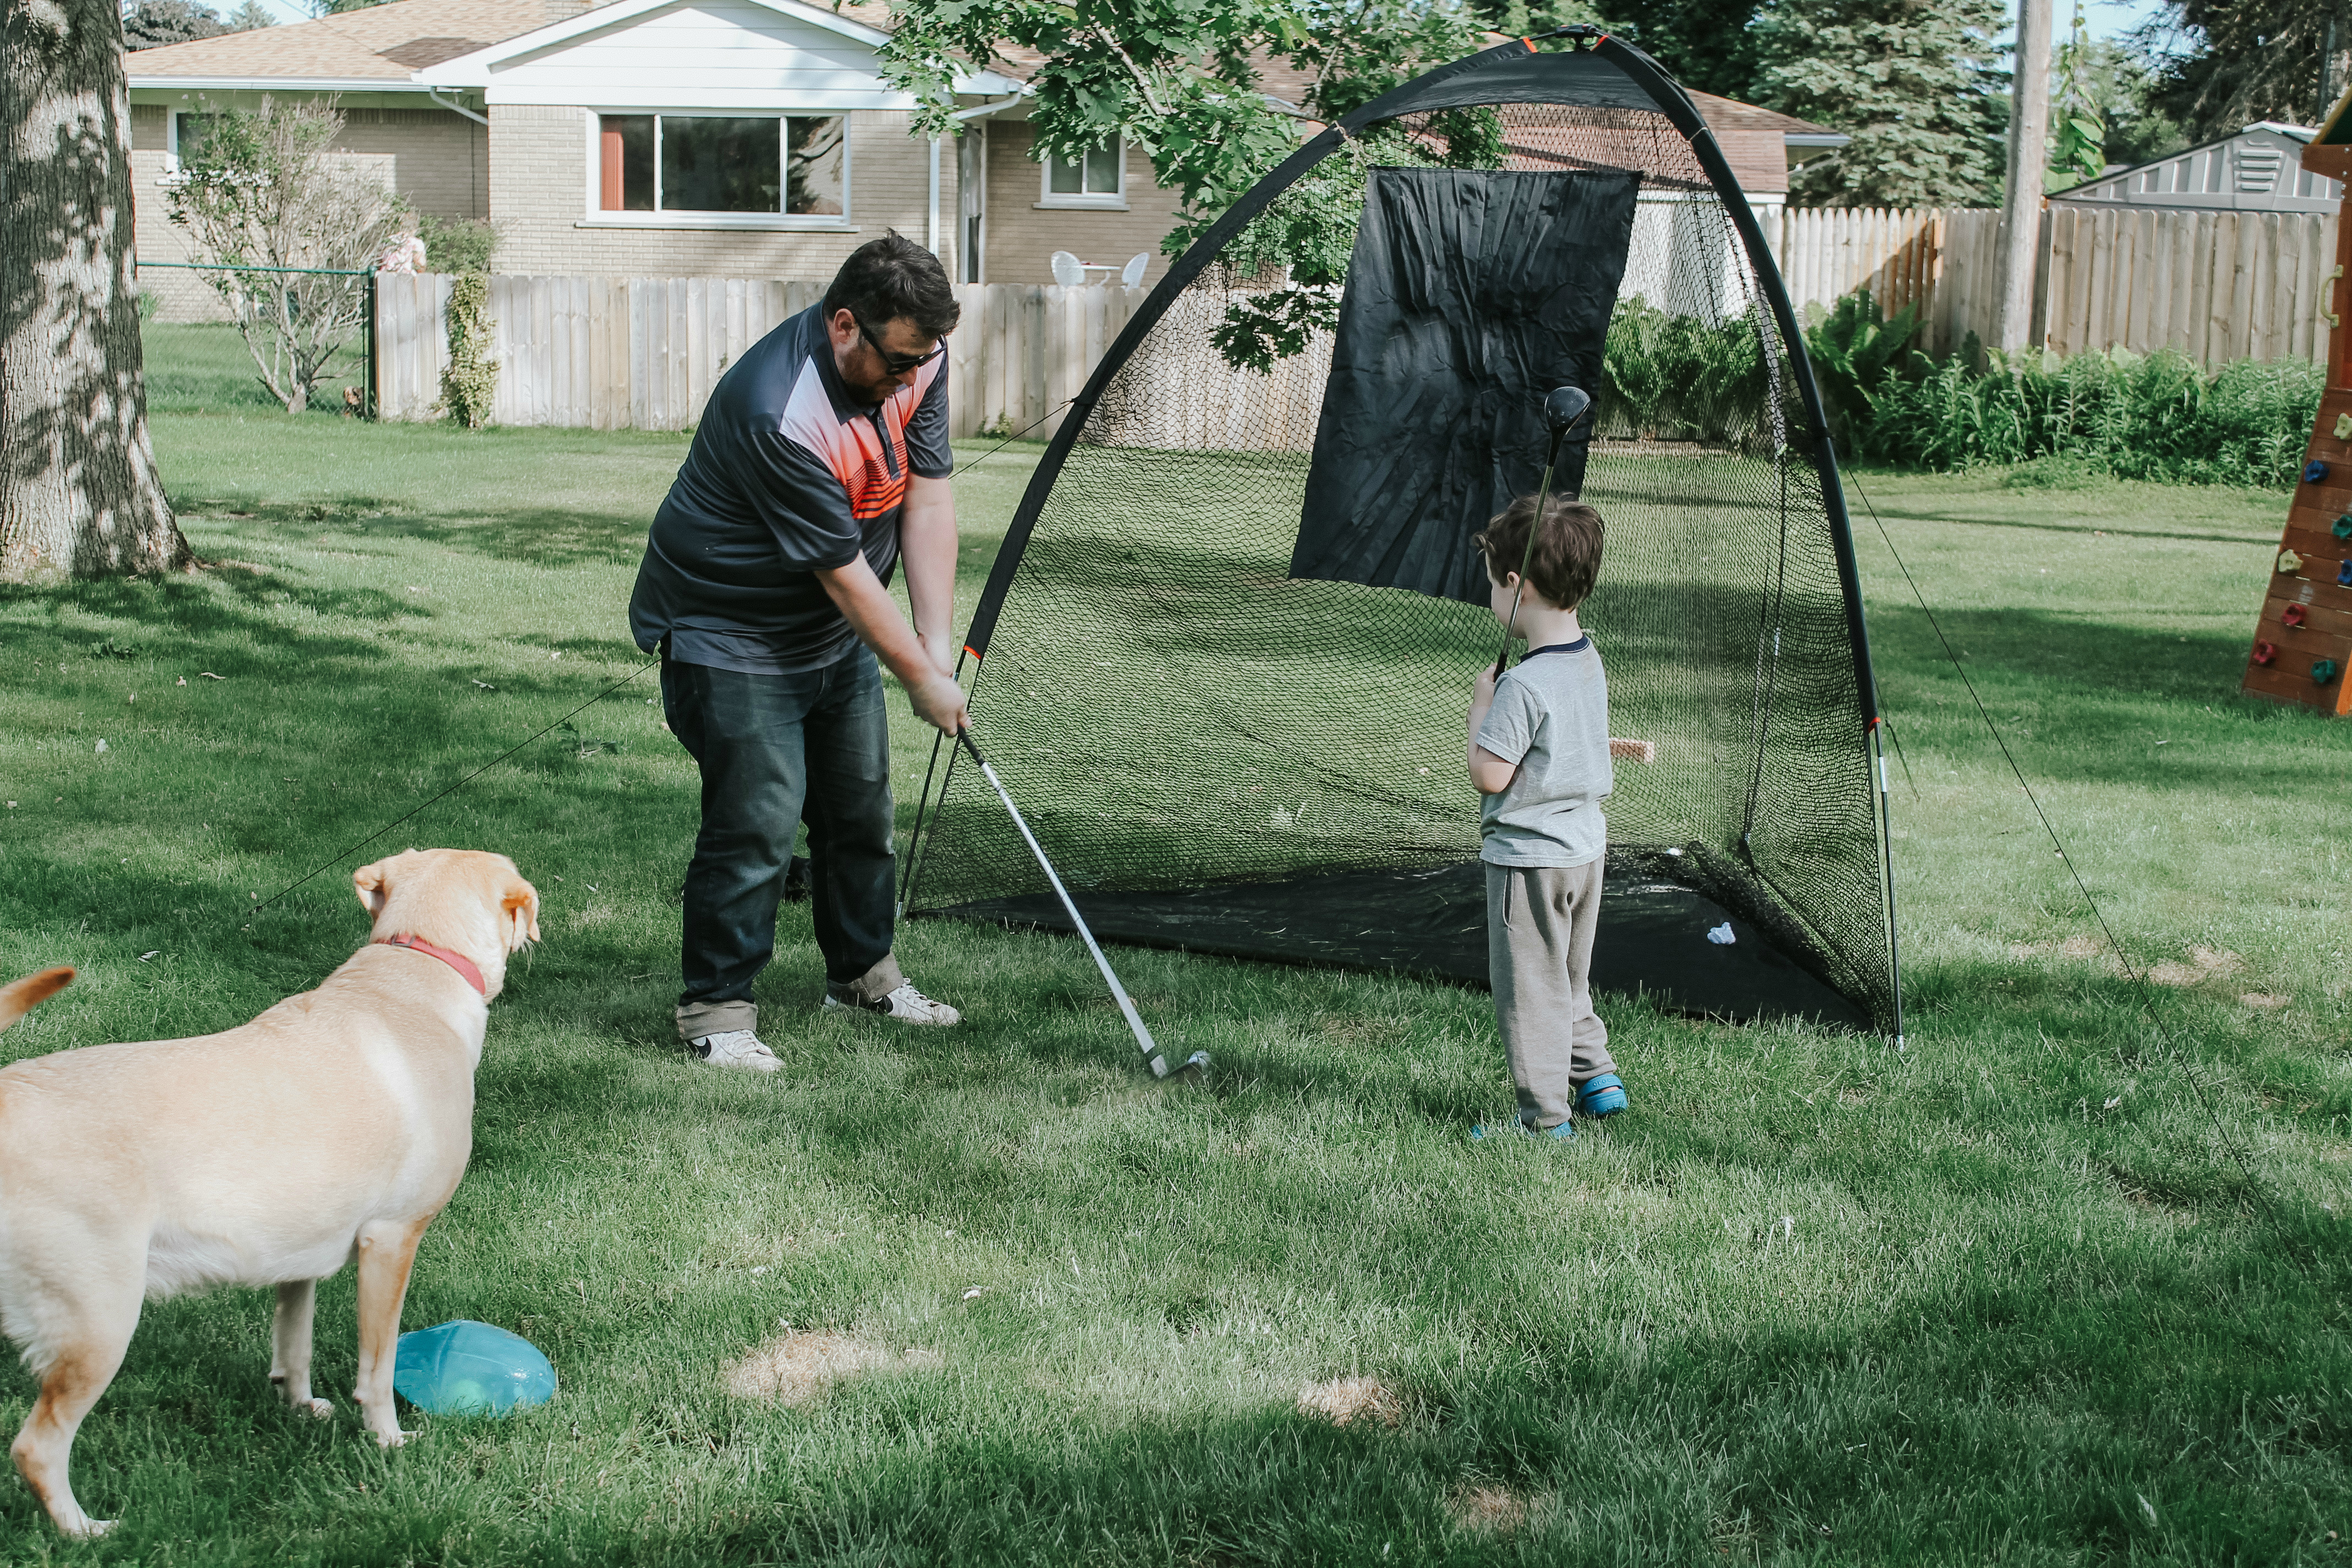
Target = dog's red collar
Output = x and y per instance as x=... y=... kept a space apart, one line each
x=457 y=961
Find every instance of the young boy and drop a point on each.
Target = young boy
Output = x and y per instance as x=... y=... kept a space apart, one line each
x=1540 y=755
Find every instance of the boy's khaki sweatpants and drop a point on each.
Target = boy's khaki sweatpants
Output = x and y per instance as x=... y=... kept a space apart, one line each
x=1540 y=926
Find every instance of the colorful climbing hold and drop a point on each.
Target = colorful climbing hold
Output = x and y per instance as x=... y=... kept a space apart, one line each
x=2265 y=652
x=2289 y=560
x=2293 y=615
x=2315 y=471
x=2323 y=672
x=2343 y=427
x=2342 y=527
x=2344 y=573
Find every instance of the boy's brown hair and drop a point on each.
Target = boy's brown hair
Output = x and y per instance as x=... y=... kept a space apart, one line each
x=1567 y=558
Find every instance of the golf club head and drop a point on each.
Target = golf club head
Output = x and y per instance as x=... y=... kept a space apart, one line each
x=1160 y=1068
x=1563 y=406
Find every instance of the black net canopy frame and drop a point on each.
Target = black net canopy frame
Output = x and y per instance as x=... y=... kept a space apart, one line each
x=1226 y=649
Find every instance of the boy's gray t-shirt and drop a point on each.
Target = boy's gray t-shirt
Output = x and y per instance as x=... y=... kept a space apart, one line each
x=1551 y=717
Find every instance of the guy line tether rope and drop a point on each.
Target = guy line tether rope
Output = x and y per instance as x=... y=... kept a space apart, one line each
x=419 y=809
x=2131 y=971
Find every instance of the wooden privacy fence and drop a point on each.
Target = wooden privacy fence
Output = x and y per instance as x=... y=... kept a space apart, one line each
x=607 y=352
x=643 y=353
x=1943 y=261
x=2218 y=286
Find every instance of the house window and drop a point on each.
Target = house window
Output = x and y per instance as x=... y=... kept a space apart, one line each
x=779 y=165
x=1096 y=180
x=188 y=133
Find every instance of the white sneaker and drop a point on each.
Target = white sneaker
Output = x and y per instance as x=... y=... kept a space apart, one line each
x=736 y=1048
x=905 y=1004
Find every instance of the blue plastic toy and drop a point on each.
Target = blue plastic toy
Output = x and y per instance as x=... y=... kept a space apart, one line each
x=467 y=1368
x=2313 y=471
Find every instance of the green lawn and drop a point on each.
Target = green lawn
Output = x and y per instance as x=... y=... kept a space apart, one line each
x=1810 y=1298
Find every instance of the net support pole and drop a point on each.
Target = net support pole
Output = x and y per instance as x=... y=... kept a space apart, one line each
x=1887 y=861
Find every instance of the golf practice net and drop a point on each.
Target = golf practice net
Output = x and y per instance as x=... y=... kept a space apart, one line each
x=1227 y=648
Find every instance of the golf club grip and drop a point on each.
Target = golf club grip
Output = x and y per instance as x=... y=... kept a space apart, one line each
x=1126 y=1004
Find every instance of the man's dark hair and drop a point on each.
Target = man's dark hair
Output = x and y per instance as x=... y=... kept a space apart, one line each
x=1567 y=559
x=892 y=277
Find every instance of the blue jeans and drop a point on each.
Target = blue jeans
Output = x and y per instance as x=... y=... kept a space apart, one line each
x=775 y=750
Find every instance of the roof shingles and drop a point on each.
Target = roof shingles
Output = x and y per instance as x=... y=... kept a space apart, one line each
x=377 y=42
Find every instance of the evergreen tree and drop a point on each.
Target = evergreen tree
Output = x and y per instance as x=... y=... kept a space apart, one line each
x=250 y=15
x=2247 y=60
x=1913 y=82
x=151 y=23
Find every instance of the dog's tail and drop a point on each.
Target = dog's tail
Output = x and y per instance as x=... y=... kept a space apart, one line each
x=22 y=996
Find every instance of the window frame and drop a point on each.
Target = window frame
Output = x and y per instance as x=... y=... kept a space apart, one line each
x=1094 y=201
x=173 y=114
x=598 y=217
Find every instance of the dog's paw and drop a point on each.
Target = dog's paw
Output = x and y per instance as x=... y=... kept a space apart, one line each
x=394 y=1439
x=324 y=1409
x=91 y=1529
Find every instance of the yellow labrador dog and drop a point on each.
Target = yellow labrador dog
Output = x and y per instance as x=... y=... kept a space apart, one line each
x=334 y=1126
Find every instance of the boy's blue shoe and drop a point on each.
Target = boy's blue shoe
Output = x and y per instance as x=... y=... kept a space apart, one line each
x=1562 y=1133
x=1602 y=1096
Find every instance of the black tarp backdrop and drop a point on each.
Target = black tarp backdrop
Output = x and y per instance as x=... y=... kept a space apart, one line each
x=1471 y=293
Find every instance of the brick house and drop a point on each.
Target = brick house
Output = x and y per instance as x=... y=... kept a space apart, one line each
x=738 y=137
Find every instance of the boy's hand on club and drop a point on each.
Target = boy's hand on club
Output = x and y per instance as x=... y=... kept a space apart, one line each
x=1482 y=690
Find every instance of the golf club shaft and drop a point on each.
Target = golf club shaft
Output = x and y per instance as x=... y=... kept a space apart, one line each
x=1528 y=555
x=1126 y=1004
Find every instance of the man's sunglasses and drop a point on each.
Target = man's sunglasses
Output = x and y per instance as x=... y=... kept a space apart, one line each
x=896 y=365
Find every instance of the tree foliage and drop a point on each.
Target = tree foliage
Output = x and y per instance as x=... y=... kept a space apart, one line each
x=261 y=189
x=2244 y=60
x=1181 y=81
x=2078 y=130
x=1914 y=82
x=151 y=23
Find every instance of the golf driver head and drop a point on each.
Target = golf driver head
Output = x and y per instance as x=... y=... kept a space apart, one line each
x=1563 y=406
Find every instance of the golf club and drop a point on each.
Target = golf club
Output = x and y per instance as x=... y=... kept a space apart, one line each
x=1152 y=1052
x=1563 y=408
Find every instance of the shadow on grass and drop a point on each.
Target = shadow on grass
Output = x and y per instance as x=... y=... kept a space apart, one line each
x=544 y=537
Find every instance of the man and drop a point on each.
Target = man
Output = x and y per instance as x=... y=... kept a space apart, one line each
x=819 y=464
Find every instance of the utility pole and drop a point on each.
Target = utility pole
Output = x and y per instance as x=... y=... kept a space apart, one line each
x=2029 y=154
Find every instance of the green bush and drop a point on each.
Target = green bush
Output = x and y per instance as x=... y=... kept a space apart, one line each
x=1675 y=378
x=456 y=244
x=2136 y=417
x=1854 y=347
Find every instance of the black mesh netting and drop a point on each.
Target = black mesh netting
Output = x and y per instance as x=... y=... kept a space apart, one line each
x=1222 y=757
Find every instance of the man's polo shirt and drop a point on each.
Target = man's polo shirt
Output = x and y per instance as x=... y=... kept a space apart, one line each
x=787 y=477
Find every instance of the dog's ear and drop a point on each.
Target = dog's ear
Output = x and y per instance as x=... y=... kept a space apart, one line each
x=520 y=904
x=373 y=886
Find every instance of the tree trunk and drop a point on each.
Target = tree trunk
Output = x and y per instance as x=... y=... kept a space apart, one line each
x=78 y=494
x=2029 y=154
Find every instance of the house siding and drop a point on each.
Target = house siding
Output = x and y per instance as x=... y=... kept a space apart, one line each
x=437 y=159
x=1022 y=235
x=540 y=196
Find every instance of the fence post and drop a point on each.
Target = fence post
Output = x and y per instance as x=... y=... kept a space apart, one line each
x=369 y=412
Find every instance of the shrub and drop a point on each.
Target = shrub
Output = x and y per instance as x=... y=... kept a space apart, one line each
x=1676 y=378
x=457 y=244
x=470 y=380
x=2136 y=417
x=263 y=188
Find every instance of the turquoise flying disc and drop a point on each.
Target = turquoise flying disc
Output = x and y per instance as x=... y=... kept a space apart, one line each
x=467 y=1368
